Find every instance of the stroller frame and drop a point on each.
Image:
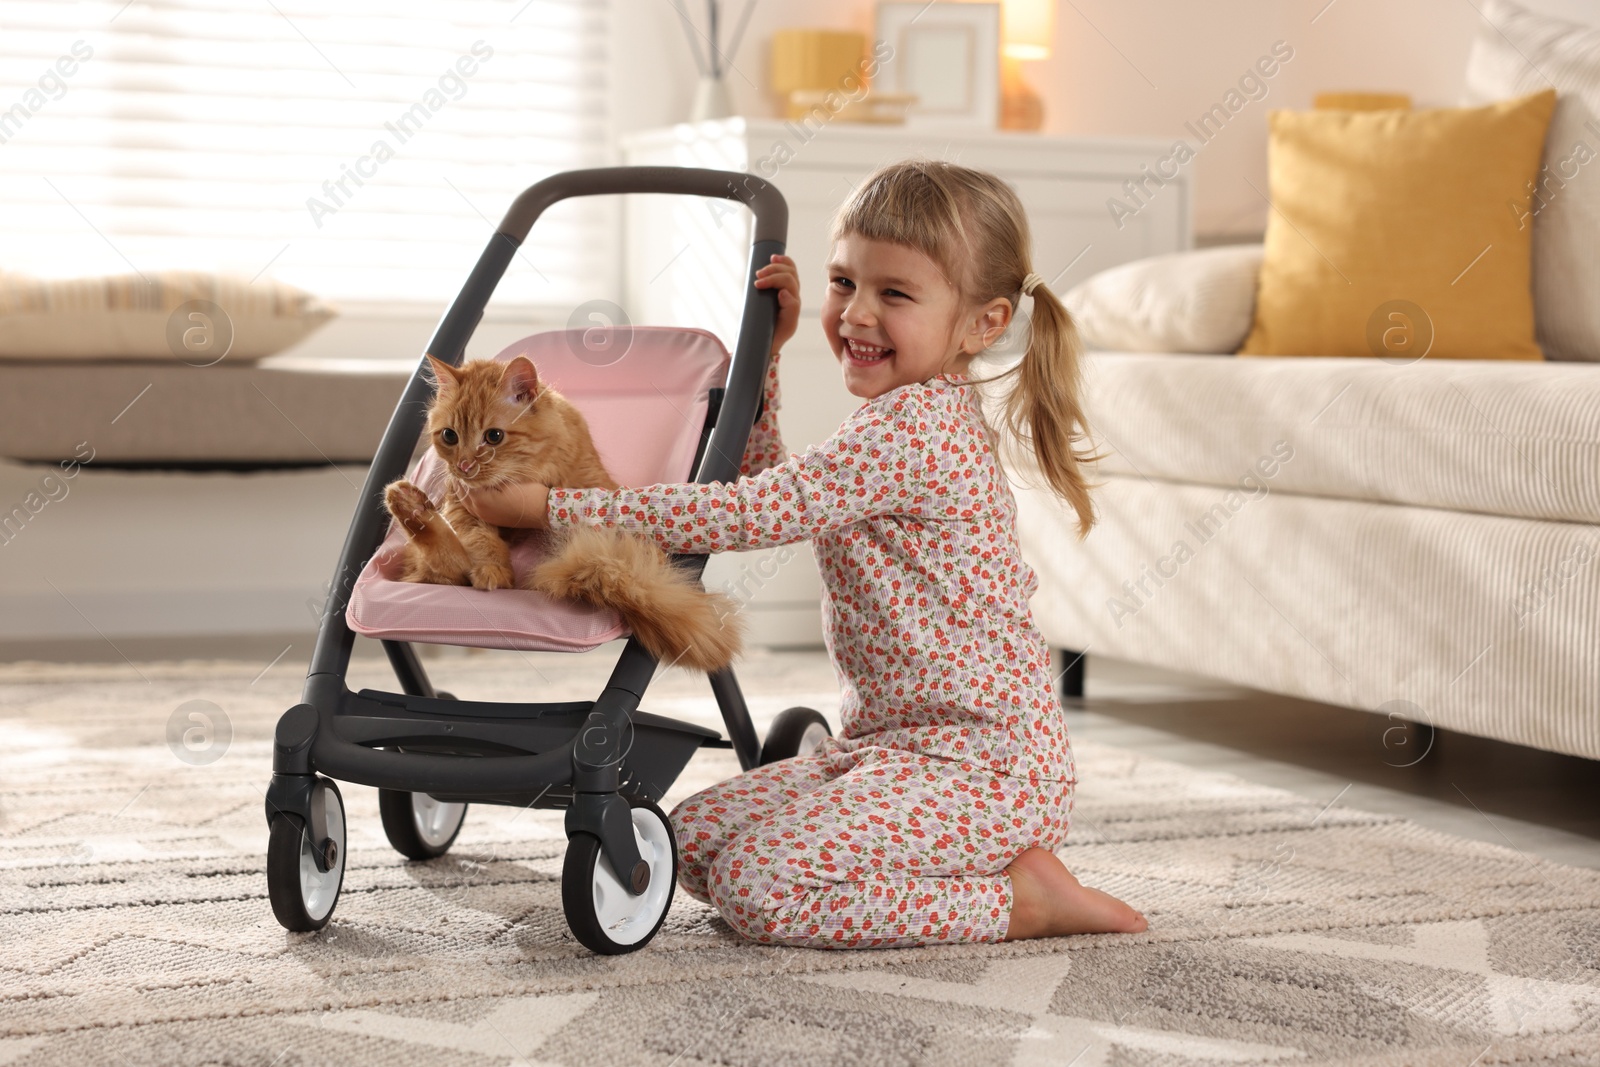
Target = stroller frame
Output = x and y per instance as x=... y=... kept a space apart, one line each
x=600 y=759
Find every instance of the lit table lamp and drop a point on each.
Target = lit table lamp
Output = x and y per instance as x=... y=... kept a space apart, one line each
x=1027 y=31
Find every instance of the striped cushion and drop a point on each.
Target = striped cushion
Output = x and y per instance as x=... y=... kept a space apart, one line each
x=153 y=317
x=1486 y=436
x=1517 y=51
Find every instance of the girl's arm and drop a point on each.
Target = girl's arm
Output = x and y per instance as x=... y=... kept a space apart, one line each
x=765 y=447
x=884 y=459
x=524 y=505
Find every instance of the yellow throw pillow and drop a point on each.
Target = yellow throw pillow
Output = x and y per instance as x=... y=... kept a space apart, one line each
x=1399 y=233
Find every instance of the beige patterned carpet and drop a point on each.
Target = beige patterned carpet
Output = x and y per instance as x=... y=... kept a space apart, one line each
x=134 y=925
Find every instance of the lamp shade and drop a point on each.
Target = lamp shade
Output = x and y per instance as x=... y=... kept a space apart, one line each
x=1027 y=28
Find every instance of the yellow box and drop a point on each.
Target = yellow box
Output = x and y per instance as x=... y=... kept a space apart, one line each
x=1362 y=101
x=816 y=59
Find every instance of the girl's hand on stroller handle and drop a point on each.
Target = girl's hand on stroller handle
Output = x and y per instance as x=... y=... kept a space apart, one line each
x=524 y=505
x=782 y=275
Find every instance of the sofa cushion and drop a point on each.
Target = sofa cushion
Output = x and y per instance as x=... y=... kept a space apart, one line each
x=1194 y=301
x=1390 y=234
x=1511 y=439
x=1518 y=51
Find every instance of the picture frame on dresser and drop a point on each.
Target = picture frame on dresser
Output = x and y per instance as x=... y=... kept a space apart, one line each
x=948 y=57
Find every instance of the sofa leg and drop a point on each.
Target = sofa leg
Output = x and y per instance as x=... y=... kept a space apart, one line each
x=1069 y=666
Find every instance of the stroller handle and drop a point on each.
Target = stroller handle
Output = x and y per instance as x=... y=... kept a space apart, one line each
x=742 y=395
x=770 y=210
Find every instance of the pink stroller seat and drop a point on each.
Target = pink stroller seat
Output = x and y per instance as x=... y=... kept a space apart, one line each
x=645 y=409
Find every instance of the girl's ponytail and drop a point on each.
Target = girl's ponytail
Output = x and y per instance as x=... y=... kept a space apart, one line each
x=1044 y=406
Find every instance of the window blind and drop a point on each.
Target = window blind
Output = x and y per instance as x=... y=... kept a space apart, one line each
x=363 y=150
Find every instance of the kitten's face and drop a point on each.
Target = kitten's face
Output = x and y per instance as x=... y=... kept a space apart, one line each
x=490 y=422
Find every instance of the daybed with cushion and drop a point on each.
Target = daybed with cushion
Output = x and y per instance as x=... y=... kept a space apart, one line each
x=1404 y=534
x=179 y=369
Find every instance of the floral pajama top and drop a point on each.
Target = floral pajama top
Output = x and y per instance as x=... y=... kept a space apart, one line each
x=925 y=608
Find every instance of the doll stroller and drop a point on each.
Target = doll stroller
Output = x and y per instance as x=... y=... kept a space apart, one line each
x=678 y=409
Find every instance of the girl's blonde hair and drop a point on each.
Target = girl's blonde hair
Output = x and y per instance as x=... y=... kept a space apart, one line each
x=972 y=225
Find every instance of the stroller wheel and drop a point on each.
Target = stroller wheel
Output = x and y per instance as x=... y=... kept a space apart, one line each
x=603 y=915
x=795 y=732
x=418 y=826
x=302 y=893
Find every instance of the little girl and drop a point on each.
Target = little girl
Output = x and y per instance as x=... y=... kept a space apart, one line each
x=934 y=816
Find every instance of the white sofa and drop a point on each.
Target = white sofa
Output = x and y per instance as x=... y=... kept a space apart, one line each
x=1420 y=539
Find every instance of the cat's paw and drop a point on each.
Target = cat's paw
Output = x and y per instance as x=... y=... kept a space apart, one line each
x=492 y=576
x=410 y=506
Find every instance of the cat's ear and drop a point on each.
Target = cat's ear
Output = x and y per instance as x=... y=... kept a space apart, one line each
x=520 y=380
x=445 y=377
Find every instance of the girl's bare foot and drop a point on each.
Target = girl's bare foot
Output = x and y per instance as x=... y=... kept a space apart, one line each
x=1047 y=901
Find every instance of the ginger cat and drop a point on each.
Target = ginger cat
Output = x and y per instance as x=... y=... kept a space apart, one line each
x=495 y=424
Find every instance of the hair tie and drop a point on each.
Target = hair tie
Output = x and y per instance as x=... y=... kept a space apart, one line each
x=1031 y=282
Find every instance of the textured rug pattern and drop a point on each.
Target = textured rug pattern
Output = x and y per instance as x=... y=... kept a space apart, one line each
x=134 y=925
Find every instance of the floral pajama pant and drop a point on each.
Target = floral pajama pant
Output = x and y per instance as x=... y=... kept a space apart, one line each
x=865 y=847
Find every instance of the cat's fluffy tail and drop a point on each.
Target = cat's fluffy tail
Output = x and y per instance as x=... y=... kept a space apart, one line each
x=676 y=620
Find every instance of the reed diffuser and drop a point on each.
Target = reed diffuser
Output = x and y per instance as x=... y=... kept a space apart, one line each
x=711 y=99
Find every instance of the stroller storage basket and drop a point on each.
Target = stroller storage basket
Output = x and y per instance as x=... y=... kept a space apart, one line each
x=606 y=761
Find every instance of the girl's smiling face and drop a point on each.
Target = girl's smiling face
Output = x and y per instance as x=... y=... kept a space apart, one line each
x=893 y=318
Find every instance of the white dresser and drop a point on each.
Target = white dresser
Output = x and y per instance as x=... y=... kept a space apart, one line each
x=685 y=260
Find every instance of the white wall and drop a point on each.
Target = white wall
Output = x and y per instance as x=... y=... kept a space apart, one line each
x=1127 y=67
